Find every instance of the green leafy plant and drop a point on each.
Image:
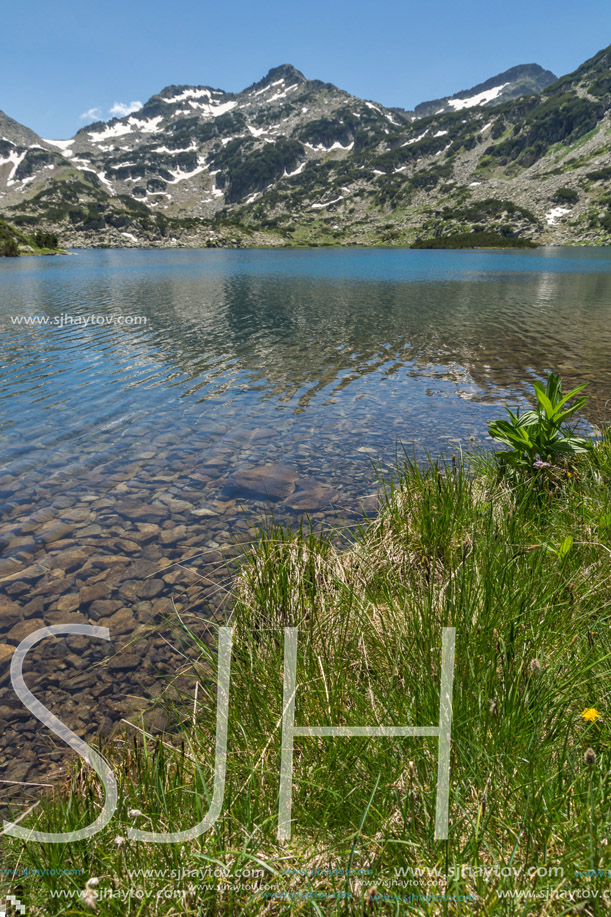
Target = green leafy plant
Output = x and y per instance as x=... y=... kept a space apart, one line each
x=537 y=437
x=563 y=549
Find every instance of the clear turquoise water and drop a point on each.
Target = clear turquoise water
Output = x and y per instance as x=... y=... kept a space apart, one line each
x=332 y=349
x=316 y=363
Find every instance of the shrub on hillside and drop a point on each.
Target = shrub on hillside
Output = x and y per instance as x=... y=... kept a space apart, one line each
x=566 y=196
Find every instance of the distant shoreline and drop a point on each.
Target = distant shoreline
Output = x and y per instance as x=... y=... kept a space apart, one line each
x=352 y=246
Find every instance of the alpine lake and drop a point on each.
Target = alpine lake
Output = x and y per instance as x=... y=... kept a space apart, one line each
x=158 y=406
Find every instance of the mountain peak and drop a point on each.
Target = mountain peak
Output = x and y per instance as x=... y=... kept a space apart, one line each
x=295 y=155
x=283 y=72
x=525 y=79
x=13 y=132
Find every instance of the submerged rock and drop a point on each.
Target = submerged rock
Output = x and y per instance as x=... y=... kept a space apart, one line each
x=267 y=482
x=10 y=612
x=312 y=495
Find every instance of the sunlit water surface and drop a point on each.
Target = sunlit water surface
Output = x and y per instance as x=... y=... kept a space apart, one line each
x=259 y=381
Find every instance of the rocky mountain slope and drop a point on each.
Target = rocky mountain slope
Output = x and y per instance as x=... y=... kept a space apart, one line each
x=524 y=80
x=295 y=161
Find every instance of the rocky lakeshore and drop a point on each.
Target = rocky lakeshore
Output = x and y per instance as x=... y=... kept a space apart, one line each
x=132 y=546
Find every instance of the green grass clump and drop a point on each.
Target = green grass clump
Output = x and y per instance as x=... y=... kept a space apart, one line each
x=523 y=574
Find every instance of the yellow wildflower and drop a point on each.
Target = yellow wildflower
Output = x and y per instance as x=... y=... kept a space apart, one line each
x=590 y=714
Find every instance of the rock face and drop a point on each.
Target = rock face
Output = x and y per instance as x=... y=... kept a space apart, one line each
x=291 y=159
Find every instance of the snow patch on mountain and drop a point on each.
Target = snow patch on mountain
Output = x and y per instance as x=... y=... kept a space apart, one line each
x=178 y=175
x=121 y=128
x=553 y=215
x=113 y=130
x=415 y=139
x=267 y=88
x=63 y=145
x=327 y=204
x=257 y=131
x=150 y=126
x=213 y=109
x=102 y=177
x=283 y=94
x=191 y=94
x=321 y=148
x=16 y=159
x=164 y=149
x=482 y=98
x=297 y=171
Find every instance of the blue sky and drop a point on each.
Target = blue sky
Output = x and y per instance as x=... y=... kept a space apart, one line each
x=61 y=60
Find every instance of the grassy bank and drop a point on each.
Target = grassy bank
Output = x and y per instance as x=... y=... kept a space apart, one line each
x=520 y=566
x=14 y=242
